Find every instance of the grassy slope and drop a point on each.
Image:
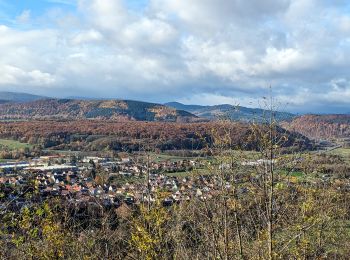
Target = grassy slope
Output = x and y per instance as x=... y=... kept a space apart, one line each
x=13 y=145
x=343 y=152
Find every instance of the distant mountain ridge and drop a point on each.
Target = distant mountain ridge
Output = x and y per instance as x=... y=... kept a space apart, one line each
x=27 y=106
x=16 y=97
x=93 y=109
x=226 y=111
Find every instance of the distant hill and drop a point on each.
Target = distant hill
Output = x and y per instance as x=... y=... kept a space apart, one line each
x=93 y=109
x=4 y=101
x=227 y=111
x=18 y=97
x=321 y=126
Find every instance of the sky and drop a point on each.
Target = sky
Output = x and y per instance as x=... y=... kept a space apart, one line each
x=192 y=51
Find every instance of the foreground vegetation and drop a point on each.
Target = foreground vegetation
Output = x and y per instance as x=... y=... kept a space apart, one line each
x=310 y=220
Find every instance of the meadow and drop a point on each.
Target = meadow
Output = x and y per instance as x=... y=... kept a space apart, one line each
x=13 y=144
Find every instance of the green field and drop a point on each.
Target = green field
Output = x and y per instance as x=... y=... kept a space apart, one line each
x=161 y=157
x=343 y=152
x=13 y=145
x=64 y=152
x=7 y=160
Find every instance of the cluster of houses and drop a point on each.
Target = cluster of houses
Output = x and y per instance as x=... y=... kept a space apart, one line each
x=110 y=181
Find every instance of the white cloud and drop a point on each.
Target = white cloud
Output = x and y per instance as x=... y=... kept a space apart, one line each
x=89 y=36
x=148 y=31
x=106 y=15
x=198 y=50
x=10 y=75
x=217 y=59
x=214 y=99
x=210 y=16
x=283 y=61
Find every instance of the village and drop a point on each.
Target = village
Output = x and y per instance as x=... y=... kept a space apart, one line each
x=110 y=182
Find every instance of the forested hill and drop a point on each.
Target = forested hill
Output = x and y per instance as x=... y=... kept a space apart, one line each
x=98 y=135
x=226 y=111
x=92 y=109
x=15 y=97
x=321 y=126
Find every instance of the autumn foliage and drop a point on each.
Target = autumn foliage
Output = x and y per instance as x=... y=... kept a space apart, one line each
x=94 y=135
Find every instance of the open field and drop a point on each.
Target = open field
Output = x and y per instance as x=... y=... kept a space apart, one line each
x=6 y=160
x=182 y=174
x=13 y=145
x=62 y=152
x=343 y=152
x=161 y=157
x=172 y=158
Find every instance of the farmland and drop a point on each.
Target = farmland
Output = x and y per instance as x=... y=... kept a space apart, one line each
x=13 y=144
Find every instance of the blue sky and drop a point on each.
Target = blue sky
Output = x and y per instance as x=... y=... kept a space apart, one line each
x=13 y=8
x=198 y=51
x=38 y=7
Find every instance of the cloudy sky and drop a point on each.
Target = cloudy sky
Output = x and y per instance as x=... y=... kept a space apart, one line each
x=193 y=51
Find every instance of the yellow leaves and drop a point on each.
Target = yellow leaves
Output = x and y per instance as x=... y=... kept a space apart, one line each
x=234 y=204
x=38 y=233
x=164 y=194
x=54 y=236
x=40 y=212
x=307 y=206
x=25 y=221
x=293 y=179
x=280 y=186
x=85 y=257
x=47 y=208
x=143 y=239
x=34 y=232
x=156 y=216
x=19 y=240
x=148 y=230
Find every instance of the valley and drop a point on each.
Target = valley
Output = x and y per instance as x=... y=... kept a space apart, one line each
x=102 y=166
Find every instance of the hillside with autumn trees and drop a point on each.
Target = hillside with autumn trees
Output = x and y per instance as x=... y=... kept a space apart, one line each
x=93 y=109
x=321 y=126
x=92 y=135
